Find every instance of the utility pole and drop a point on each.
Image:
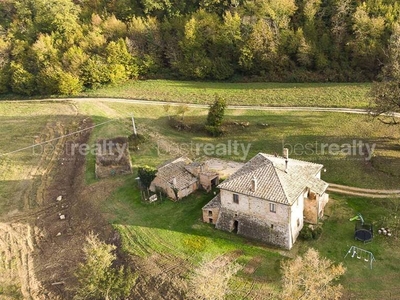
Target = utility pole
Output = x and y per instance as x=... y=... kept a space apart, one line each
x=134 y=127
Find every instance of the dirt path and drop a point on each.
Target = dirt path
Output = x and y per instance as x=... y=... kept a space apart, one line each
x=39 y=251
x=369 y=193
x=233 y=107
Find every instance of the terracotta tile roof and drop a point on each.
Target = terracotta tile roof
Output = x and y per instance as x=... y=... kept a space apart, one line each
x=274 y=182
x=177 y=169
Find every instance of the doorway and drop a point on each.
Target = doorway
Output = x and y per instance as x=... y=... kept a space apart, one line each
x=235 y=226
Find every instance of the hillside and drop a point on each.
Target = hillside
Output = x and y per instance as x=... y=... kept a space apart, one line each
x=64 y=46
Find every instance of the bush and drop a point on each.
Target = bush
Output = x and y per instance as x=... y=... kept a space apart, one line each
x=97 y=277
x=316 y=232
x=306 y=233
x=310 y=232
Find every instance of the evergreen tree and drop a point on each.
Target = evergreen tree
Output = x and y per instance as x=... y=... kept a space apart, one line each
x=215 y=116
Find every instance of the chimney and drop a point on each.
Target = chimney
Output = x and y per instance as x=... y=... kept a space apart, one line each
x=254 y=184
x=174 y=182
x=286 y=153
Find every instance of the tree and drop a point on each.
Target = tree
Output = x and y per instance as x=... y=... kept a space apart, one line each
x=97 y=277
x=146 y=175
x=22 y=81
x=209 y=281
x=69 y=84
x=95 y=72
x=386 y=93
x=367 y=41
x=311 y=277
x=215 y=116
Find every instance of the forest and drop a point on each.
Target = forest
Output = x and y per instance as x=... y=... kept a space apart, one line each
x=51 y=47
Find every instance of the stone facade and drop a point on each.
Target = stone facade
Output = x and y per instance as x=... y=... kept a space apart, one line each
x=211 y=211
x=181 y=177
x=254 y=218
x=269 y=199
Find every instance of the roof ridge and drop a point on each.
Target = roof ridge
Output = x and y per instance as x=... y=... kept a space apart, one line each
x=280 y=182
x=267 y=156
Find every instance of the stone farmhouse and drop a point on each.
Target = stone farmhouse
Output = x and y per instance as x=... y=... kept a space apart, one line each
x=181 y=177
x=269 y=199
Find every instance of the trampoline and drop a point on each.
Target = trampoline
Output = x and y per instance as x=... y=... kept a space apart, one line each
x=363 y=232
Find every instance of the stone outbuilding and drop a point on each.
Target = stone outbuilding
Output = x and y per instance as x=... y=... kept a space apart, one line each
x=181 y=177
x=112 y=157
x=269 y=199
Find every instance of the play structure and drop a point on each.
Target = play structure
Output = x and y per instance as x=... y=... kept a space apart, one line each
x=359 y=253
x=362 y=232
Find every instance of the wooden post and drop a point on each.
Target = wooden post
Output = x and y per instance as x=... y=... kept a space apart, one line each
x=134 y=127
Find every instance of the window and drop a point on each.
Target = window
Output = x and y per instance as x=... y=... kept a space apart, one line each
x=210 y=212
x=236 y=198
x=298 y=222
x=272 y=226
x=272 y=207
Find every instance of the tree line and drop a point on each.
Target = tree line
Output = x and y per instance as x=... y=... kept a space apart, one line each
x=65 y=46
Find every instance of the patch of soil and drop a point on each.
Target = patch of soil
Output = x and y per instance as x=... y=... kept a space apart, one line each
x=252 y=265
x=65 y=223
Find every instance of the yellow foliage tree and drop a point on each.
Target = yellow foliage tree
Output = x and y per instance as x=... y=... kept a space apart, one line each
x=311 y=277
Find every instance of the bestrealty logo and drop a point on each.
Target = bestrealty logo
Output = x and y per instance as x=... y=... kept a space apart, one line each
x=355 y=148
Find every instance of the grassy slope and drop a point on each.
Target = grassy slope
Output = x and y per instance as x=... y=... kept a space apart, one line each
x=21 y=124
x=292 y=129
x=178 y=232
x=352 y=95
x=177 y=225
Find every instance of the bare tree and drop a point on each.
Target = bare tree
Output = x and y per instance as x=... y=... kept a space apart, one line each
x=181 y=110
x=210 y=279
x=311 y=277
x=386 y=93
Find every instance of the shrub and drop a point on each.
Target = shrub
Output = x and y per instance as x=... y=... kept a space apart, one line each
x=306 y=233
x=310 y=232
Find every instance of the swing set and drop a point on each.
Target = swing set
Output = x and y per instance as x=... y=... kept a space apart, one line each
x=361 y=254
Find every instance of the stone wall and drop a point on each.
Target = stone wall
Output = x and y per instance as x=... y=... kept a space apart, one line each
x=112 y=157
x=256 y=207
x=210 y=215
x=158 y=183
x=251 y=227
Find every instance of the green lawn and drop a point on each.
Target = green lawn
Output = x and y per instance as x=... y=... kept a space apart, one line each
x=168 y=232
x=352 y=95
x=359 y=281
x=174 y=231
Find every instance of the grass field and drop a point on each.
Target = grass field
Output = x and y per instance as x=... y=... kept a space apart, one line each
x=337 y=238
x=352 y=95
x=22 y=125
x=290 y=129
x=178 y=233
x=171 y=232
